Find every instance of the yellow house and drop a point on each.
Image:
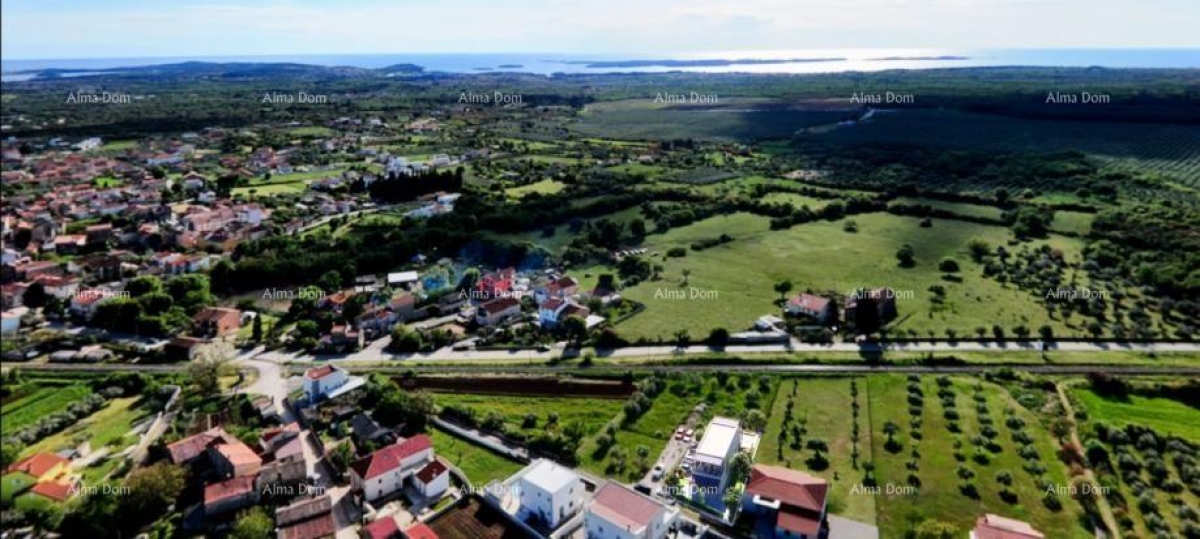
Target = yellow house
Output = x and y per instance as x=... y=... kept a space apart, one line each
x=44 y=467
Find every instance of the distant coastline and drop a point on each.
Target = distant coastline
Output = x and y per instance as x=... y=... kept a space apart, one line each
x=783 y=62
x=698 y=63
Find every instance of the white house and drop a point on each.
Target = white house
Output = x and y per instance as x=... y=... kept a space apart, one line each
x=497 y=310
x=722 y=440
x=617 y=512
x=10 y=322
x=320 y=382
x=550 y=494
x=432 y=480
x=384 y=472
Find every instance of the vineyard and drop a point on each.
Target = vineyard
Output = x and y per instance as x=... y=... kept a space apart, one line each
x=1172 y=150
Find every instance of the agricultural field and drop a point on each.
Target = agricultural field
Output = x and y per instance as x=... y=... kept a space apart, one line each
x=642 y=119
x=108 y=427
x=1166 y=416
x=1143 y=452
x=823 y=410
x=969 y=449
x=734 y=281
x=34 y=400
x=1168 y=149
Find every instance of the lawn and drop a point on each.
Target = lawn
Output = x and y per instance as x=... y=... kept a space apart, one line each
x=1165 y=416
x=545 y=187
x=107 y=182
x=734 y=282
x=481 y=465
x=938 y=495
x=824 y=407
x=46 y=399
x=14 y=484
x=312 y=131
x=109 y=425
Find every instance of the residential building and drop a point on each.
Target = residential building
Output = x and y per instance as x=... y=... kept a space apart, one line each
x=497 y=311
x=550 y=494
x=229 y=496
x=433 y=480
x=385 y=471
x=188 y=450
x=991 y=526
x=320 y=382
x=721 y=442
x=786 y=503
x=617 y=512
x=818 y=309
x=382 y=528
x=234 y=459
x=42 y=467
x=310 y=518
x=216 y=321
x=10 y=323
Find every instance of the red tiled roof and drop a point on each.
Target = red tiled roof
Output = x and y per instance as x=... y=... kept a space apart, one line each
x=228 y=488
x=997 y=527
x=317 y=373
x=799 y=521
x=624 y=507
x=790 y=487
x=431 y=471
x=37 y=464
x=810 y=302
x=499 y=305
x=314 y=528
x=420 y=531
x=192 y=446
x=55 y=491
x=238 y=453
x=553 y=304
x=384 y=528
x=390 y=457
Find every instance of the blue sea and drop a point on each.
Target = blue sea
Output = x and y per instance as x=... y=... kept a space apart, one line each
x=789 y=61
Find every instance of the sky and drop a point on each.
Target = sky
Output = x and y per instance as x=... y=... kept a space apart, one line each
x=44 y=29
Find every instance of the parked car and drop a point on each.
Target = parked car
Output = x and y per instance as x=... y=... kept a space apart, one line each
x=658 y=472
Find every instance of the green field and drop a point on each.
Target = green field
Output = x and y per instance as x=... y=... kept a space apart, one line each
x=1072 y=222
x=593 y=413
x=545 y=187
x=41 y=400
x=107 y=182
x=481 y=465
x=938 y=496
x=1165 y=416
x=312 y=131
x=825 y=406
x=823 y=257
